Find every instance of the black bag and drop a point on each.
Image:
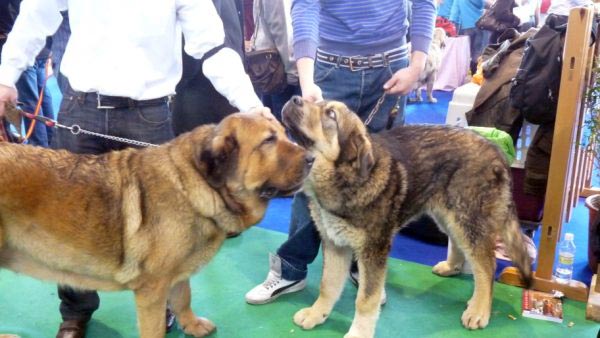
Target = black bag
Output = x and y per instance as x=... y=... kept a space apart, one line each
x=266 y=71
x=265 y=67
x=534 y=89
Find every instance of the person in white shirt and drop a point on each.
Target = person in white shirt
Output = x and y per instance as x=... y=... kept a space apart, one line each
x=528 y=12
x=123 y=61
x=563 y=7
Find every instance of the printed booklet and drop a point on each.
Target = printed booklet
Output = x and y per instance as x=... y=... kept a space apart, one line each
x=542 y=305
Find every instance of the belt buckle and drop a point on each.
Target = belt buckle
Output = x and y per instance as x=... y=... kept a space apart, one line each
x=99 y=105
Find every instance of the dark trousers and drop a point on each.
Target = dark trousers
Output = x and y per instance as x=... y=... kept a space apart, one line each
x=197 y=101
x=150 y=124
x=476 y=44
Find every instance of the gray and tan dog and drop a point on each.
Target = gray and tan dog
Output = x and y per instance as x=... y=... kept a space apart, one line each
x=363 y=188
x=432 y=65
x=143 y=219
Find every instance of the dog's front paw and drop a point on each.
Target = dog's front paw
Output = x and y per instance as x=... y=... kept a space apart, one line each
x=432 y=99
x=444 y=269
x=475 y=316
x=199 y=327
x=308 y=318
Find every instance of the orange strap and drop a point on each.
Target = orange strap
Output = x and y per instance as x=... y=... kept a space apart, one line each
x=40 y=100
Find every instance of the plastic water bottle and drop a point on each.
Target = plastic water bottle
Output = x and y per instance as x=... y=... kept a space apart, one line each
x=566 y=257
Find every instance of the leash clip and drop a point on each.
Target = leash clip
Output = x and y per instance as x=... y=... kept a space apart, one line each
x=75 y=129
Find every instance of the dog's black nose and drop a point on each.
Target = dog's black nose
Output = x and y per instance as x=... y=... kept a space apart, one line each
x=297 y=100
x=310 y=160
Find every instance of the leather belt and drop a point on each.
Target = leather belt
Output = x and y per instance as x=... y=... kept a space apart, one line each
x=361 y=62
x=118 y=102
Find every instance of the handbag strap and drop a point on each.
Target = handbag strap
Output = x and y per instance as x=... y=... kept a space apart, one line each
x=256 y=24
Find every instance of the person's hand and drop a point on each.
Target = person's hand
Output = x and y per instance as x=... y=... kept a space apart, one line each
x=248 y=45
x=263 y=111
x=7 y=95
x=312 y=93
x=306 y=69
x=402 y=82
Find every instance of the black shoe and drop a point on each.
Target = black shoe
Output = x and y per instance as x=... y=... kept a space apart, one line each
x=72 y=329
x=170 y=320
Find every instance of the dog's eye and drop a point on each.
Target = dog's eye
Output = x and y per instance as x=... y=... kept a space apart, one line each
x=270 y=139
x=331 y=113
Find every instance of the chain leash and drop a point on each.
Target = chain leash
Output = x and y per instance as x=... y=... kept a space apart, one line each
x=375 y=109
x=76 y=130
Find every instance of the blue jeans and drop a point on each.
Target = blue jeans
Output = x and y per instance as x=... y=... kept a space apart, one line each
x=360 y=90
x=476 y=44
x=150 y=124
x=29 y=86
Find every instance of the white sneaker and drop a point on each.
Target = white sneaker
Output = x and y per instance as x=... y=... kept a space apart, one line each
x=354 y=280
x=274 y=286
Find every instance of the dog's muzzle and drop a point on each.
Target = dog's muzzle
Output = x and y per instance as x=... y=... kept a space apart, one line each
x=269 y=191
x=292 y=114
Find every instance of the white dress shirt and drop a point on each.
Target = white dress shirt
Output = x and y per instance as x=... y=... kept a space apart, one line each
x=563 y=7
x=129 y=48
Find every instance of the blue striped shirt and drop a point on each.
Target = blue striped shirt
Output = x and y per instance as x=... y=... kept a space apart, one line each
x=364 y=27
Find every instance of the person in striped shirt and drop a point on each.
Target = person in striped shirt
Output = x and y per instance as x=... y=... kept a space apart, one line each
x=355 y=52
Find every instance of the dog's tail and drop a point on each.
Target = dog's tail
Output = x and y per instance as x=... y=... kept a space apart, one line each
x=512 y=237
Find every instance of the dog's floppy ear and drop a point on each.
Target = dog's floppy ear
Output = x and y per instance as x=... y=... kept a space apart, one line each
x=358 y=150
x=218 y=159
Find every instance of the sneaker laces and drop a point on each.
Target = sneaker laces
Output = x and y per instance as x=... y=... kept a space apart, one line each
x=271 y=282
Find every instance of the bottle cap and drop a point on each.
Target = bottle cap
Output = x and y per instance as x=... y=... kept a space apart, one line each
x=569 y=236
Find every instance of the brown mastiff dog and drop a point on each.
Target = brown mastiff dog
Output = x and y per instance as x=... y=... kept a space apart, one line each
x=143 y=219
x=363 y=188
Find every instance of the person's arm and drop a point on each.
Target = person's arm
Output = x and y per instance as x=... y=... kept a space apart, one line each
x=305 y=23
x=204 y=35
x=306 y=71
x=37 y=20
x=422 y=24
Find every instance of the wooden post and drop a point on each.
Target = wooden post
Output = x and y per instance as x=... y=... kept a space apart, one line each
x=592 y=310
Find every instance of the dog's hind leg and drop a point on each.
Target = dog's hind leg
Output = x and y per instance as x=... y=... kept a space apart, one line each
x=453 y=263
x=472 y=240
x=336 y=264
x=455 y=259
x=430 y=82
x=180 y=300
x=483 y=261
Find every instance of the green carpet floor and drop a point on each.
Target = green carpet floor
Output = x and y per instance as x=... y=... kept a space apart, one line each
x=420 y=304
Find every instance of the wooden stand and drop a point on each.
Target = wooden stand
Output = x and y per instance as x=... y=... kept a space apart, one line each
x=569 y=162
x=592 y=310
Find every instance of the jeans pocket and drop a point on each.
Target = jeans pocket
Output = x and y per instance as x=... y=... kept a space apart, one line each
x=395 y=66
x=67 y=105
x=158 y=114
x=322 y=71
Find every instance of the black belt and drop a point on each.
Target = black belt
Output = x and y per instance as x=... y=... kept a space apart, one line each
x=361 y=62
x=118 y=102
